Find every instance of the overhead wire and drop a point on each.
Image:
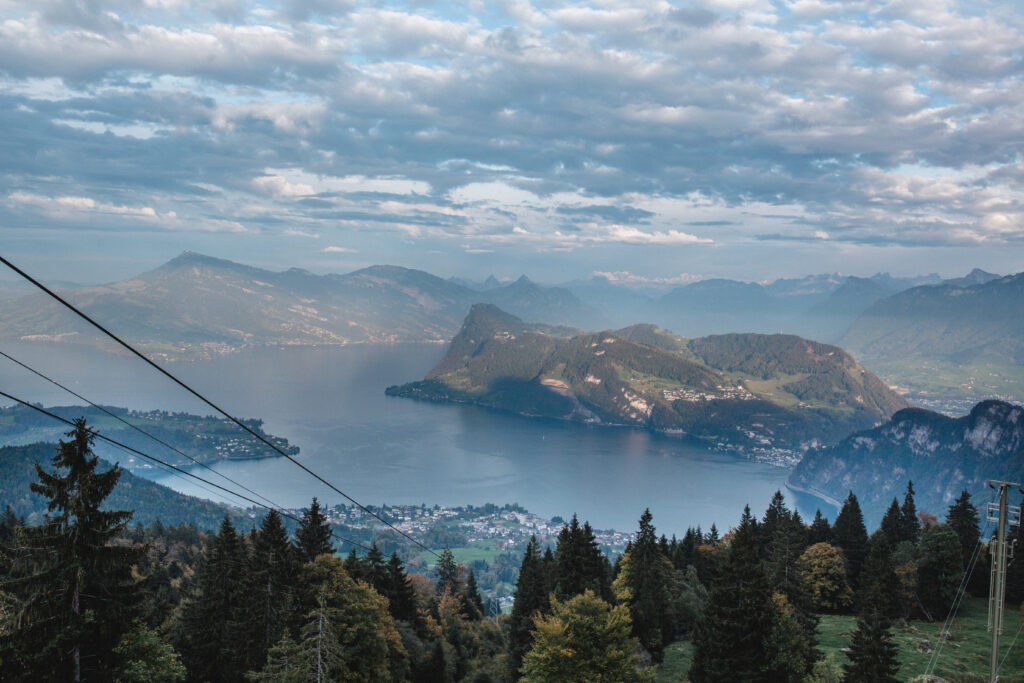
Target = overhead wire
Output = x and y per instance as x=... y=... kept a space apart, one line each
x=135 y=427
x=125 y=447
x=210 y=403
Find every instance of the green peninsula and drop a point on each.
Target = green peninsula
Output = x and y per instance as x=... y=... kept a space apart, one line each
x=205 y=438
x=769 y=396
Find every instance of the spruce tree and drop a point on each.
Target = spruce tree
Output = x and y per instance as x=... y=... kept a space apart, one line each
x=938 y=569
x=962 y=518
x=375 y=567
x=892 y=524
x=271 y=575
x=850 y=534
x=910 y=526
x=579 y=563
x=872 y=652
x=400 y=594
x=313 y=536
x=645 y=584
x=216 y=615
x=355 y=566
x=819 y=531
x=474 y=604
x=531 y=597
x=73 y=588
x=734 y=640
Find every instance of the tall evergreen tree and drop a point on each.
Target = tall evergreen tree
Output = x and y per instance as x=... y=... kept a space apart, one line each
x=892 y=524
x=531 y=598
x=819 y=531
x=400 y=594
x=579 y=563
x=962 y=518
x=910 y=525
x=271 y=575
x=938 y=569
x=449 y=573
x=872 y=652
x=313 y=537
x=376 y=568
x=216 y=615
x=645 y=584
x=798 y=621
x=473 y=604
x=850 y=534
x=734 y=641
x=355 y=566
x=74 y=592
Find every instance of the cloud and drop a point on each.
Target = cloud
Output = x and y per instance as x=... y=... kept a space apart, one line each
x=337 y=250
x=628 y=279
x=534 y=126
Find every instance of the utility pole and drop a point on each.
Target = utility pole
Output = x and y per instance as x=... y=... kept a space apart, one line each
x=1003 y=515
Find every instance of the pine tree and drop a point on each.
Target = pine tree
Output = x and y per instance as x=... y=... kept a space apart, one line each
x=74 y=592
x=531 y=598
x=400 y=594
x=962 y=518
x=773 y=516
x=645 y=583
x=271 y=574
x=819 y=531
x=910 y=526
x=579 y=563
x=449 y=573
x=734 y=641
x=474 y=604
x=872 y=652
x=215 y=616
x=375 y=568
x=850 y=534
x=355 y=566
x=313 y=536
x=892 y=523
x=798 y=621
x=938 y=569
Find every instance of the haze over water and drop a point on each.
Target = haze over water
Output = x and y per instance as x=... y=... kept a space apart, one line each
x=330 y=402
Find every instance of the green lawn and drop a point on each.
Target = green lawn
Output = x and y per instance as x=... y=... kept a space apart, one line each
x=964 y=659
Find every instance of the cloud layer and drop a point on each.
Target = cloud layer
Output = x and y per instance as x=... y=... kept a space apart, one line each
x=525 y=127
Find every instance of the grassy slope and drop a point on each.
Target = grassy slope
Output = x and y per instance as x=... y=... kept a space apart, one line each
x=962 y=660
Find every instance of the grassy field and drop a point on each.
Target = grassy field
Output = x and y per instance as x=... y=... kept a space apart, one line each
x=964 y=659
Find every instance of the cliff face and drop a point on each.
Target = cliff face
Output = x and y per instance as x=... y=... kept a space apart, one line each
x=743 y=390
x=942 y=455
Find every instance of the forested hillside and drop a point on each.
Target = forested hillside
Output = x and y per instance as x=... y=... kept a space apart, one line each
x=772 y=599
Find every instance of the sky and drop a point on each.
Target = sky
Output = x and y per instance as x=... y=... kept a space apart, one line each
x=751 y=139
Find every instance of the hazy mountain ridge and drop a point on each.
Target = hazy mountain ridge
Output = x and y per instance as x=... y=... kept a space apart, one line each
x=199 y=304
x=942 y=455
x=949 y=338
x=745 y=391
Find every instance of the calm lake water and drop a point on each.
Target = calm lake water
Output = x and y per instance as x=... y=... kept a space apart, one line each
x=330 y=402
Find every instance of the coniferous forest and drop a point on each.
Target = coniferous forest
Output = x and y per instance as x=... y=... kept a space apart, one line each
x=87 y=596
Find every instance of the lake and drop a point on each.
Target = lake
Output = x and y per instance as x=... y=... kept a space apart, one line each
x=379 y=449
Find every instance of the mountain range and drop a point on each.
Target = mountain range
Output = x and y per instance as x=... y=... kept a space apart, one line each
x=945 y=343
x=196 y=304
x=940 y=454
x=963 y=338
x=768 y=395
